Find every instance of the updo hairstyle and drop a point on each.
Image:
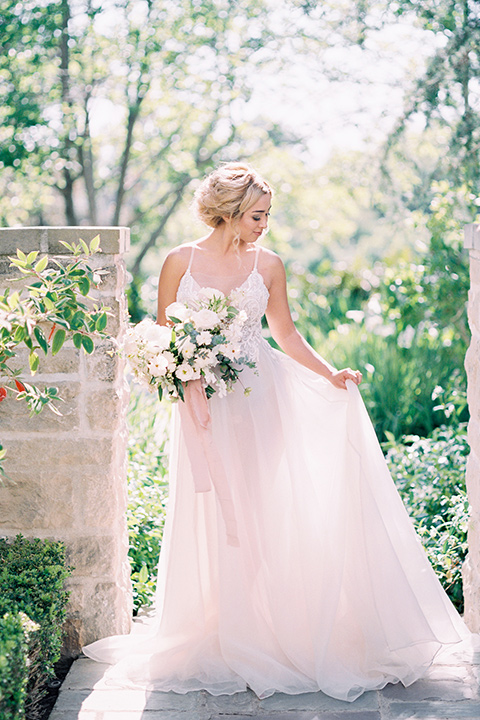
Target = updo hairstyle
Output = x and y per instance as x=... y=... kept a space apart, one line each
x=228 y=192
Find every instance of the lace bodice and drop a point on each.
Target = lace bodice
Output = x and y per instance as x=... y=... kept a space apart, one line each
x=251 y=296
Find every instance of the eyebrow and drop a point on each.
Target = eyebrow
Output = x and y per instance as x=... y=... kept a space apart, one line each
x=262 y=211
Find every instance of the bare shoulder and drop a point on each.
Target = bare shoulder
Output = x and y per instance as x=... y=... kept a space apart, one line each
x=177 y=260
x=270 y=265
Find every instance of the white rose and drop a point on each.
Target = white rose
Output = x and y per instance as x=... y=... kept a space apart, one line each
x=204 y=337
x=209 y=293
x=178 y=310
x=204 y=319
x=185 y=372
x=158 y=366
x=159 y=336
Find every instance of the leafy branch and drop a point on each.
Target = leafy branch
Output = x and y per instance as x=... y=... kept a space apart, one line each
x=55 y=305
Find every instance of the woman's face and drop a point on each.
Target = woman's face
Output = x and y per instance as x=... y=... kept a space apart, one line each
x=254 y=221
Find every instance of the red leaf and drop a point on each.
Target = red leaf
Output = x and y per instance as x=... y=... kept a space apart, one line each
x=3 y=393
x=20 y=386
x=52 y=331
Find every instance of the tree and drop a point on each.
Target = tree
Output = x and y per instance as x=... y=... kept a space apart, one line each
x=170 y=79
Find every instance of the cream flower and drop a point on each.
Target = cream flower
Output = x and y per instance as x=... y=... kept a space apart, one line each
x=204 y=319
x=177 y=310
x=158 y=366
x=209 y=293
x=204 y=337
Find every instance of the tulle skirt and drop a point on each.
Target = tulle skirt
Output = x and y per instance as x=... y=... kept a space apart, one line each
x=329 y=588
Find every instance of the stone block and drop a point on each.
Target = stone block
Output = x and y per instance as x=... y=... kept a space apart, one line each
x=104 y=409
x=108 y=612
x=104 y=364
x=15 y=414
x=92 y=555
x=471 y=236
x=474 y=309
x=36 y=500
x=66 y=362
x=60 y=453
x=433 y=711
x=317 y=702
x=471 y=588
x=25 y=238
x=113 y=240
x=97 y=497
x=444 y=690
x=473 y=468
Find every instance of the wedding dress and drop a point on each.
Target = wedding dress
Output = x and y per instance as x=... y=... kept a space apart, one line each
x=328 y=587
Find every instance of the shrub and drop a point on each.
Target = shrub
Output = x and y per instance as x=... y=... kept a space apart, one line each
x=32 y=575
x=430 y=476
x=147 y=490
x=16 y=630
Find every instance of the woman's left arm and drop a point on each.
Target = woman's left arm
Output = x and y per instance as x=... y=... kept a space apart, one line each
x=287 y=336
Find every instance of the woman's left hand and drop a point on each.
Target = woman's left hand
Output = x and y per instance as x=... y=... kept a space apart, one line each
x=339 y=377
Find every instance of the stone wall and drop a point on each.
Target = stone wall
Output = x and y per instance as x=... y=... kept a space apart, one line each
x=471 y=568
x=67 y=475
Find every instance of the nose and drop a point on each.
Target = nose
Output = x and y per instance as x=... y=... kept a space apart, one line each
x=264 y=222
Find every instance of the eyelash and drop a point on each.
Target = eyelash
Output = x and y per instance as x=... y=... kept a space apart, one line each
x=267 y=215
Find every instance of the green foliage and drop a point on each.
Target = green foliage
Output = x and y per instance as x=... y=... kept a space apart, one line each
x=430 y=476
x=147 y=491
x=402 y=323
x=32 y=576
x=56 y=297
x=16 y=630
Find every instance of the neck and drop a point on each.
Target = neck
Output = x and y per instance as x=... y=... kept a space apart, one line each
x=221 y=240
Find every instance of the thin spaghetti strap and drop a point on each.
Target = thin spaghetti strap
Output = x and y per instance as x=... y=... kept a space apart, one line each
x=257 y=253
x=191 y=258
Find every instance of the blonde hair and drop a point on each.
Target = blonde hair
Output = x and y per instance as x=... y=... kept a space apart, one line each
x=228 y=192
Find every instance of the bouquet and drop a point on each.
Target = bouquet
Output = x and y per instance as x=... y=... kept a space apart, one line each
x=201 y=343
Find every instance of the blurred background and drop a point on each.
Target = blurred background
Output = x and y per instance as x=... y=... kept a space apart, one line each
x=363 y=115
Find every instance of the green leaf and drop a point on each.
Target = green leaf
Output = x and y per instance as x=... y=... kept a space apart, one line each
x=32 y=256
x=41 y=264
x=48 y=303
x=95 y=244
x=143 y=574
x=33 y=361
x=83 y=285
x=77 y=340
x=88 y=345
x=20 y=334
x=67 y=245
x=84 y=247
x=160 y=392
x=101 y=323
x=58 y=340
x=41 y=339
x=21 y=255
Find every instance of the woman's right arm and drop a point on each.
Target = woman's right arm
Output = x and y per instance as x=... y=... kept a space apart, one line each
x=173 y=268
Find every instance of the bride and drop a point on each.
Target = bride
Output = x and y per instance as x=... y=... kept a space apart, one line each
x=301 y=571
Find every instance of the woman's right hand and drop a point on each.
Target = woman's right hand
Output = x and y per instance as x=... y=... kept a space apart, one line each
x=339 y=378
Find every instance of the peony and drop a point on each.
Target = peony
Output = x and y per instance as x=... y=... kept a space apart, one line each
x=178 y=310
x=204 y=319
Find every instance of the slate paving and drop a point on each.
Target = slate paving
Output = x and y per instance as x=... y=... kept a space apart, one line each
x=450 y=691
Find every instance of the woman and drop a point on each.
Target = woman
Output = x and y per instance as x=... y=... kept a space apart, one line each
x=299 y=569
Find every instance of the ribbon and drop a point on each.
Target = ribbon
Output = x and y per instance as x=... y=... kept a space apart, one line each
x=205 y=460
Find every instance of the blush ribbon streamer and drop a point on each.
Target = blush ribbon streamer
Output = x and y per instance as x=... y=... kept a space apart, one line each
x=207 y=465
